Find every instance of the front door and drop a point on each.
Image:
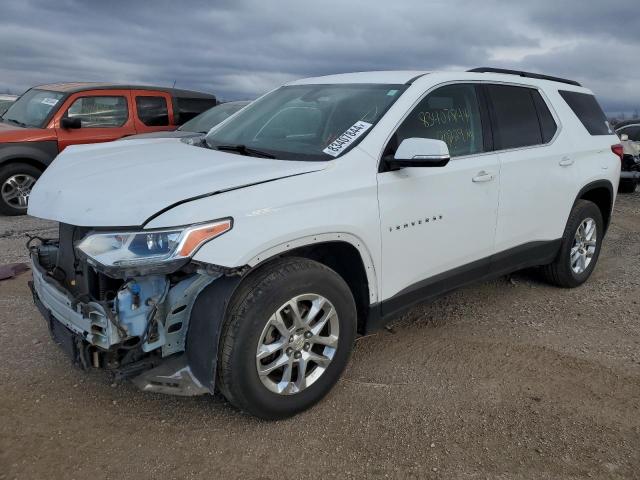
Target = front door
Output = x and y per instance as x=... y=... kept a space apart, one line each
x=438 y=223
x=104 y=115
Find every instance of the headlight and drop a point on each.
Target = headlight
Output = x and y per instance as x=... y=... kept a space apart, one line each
x=149 y=251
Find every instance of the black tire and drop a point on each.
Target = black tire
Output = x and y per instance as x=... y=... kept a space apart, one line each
x=627 y=186
x=559 y=272
x=249 y=311
x=8 y=171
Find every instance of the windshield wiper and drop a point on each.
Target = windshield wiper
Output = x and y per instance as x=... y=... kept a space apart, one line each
x=244 y=150
x=20 y=124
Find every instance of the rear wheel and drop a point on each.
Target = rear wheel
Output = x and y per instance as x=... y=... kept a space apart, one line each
x=627 y=186
x=287 y=338
x=580 y=247
x=16 y=182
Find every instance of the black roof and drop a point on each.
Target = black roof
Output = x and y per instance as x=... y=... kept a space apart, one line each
x=74 y=87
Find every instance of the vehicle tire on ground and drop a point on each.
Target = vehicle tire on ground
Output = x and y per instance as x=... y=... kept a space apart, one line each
x=580 y=247
x=16 y=182
x=287 y=338
x=627 y=186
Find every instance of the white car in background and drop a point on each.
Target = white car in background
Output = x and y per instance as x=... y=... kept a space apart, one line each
x=629 y=133
x=248 y=262
x=6 y=101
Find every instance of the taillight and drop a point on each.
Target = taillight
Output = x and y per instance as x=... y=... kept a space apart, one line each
x=618 y=150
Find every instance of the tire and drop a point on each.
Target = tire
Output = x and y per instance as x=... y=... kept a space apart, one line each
x=250 y=315
x=627 y=186
x=16 y=181
x=562 y=271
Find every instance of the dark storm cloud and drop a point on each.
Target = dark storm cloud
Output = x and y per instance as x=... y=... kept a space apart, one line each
x=239 y=49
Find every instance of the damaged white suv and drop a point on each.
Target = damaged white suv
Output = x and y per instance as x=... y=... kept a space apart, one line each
x=248 y=262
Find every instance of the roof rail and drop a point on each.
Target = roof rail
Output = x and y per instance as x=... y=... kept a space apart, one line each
x=524 y=74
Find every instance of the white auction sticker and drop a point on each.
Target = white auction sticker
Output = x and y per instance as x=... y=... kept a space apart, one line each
x=336 y=147
x=49 y=101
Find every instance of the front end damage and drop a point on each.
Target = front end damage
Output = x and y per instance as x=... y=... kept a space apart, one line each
x=135 y=327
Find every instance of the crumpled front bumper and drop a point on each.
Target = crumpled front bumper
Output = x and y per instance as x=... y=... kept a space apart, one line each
x=82 y=330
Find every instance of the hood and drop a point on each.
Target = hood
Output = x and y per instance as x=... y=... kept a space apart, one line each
x=170 y=134
x=122 y=184
x=11 y=133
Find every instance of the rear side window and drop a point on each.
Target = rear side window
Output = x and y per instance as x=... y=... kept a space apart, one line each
x=100 y=112
x=187 y=108
x=548 y=125
x=515 y=118
x=588 y=110
x=153 y=111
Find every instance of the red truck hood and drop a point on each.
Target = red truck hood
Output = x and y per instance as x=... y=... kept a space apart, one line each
x=10 y=133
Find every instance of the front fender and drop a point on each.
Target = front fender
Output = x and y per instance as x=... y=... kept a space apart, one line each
x=42 y=152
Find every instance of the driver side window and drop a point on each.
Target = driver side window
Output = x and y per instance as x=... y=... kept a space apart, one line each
x=451 y=114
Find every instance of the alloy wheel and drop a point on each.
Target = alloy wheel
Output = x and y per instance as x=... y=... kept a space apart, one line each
x=584 y=246
x=16 y=190
x=297 y=344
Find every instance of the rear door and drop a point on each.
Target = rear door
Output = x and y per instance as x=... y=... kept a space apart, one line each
x=438 y=223
x=105 y=115
x=153 y=111
x=536 y=178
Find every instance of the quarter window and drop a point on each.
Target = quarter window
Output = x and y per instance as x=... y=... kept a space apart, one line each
x=515 y=119
x=589 y=112
x=450 y=114
x=153 y=111
x=100 y=112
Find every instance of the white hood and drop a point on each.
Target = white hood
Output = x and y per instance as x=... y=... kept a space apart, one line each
x=124 y=183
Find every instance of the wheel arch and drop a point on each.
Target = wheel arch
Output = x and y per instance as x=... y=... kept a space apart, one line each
x=344 y=253
x=602 y=194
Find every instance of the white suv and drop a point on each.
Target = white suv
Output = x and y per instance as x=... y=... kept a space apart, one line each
x=249 y=261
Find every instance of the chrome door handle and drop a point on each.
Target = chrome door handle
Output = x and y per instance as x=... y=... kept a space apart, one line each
x=566 y=162
x=483 y=177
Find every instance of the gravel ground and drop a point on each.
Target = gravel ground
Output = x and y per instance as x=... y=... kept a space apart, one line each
x=509 y=379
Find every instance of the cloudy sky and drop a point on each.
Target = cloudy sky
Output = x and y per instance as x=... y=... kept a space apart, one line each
x=239 y=49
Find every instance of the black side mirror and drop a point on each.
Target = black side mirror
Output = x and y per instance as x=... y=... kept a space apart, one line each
x=70 y=123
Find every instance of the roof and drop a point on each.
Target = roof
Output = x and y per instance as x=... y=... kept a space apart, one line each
x=385 y=77
x=74 y=87
x=411 y=76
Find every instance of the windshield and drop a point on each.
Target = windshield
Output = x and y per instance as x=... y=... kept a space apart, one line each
x=307 y=122
x=33 y=108
x=210 y=118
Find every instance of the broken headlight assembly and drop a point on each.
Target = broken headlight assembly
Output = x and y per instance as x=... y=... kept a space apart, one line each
x=148 y=252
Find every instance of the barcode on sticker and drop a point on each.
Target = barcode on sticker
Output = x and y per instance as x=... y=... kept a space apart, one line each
x=336 y=147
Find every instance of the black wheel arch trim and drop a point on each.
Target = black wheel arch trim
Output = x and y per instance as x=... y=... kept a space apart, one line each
x=205 y=326
x=38 y=154
x=592 y=186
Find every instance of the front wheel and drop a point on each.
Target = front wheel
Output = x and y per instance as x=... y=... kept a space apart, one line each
x=580 y=247
x=287 y=338
x=16 y=182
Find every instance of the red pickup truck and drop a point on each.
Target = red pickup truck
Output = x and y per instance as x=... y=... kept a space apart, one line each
x=48 y=118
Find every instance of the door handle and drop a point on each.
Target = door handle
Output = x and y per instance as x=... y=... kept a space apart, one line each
x=483 y=176
x=566 y=162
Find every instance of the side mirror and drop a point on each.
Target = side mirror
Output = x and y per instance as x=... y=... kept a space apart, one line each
x=624 y=137
x=70 y=123
x=420 y=152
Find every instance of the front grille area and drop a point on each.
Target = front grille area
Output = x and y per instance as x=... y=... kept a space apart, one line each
x=82 y=281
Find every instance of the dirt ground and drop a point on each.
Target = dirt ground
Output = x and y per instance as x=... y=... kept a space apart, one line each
x=509 y=379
